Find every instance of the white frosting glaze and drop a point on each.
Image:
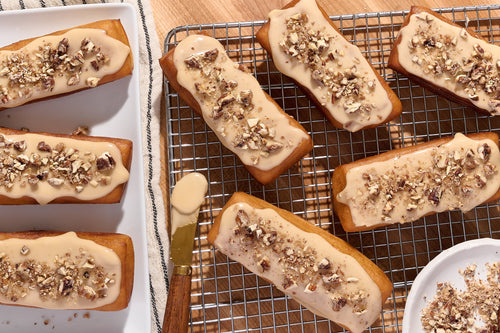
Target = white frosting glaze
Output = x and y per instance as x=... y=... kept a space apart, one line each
x=189 y=192
x=230 y=129
x=453 y=45
x=69 y=245
x=44 y=192
x=16 y=94
x=404 y=185
x=187 y=197
x=238 y=247
x=346 y=56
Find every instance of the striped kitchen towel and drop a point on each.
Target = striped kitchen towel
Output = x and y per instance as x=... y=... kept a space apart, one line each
x=151 y=80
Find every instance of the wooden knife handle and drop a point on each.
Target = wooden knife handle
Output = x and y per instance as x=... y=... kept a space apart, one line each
x=177 y=311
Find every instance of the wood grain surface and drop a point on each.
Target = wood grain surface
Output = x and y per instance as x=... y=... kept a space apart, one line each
x=169 y=14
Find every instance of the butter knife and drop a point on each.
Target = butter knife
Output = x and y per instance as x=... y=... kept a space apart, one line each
x=186 y=199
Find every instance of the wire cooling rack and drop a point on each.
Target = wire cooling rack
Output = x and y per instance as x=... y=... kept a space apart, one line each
x=226 y=297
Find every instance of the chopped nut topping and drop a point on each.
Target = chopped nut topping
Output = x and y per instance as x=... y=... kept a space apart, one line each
x=453 y=177
x=28 y=73
x=59 y=166
x=105 y=162
x=42 y=146
x=324 y=264
x=338 y=303
x=63 y=277
x=264 y=264
x=302 y=266
x=24 y=250
x=308 y=46
x=310 y=288
x=231 y=107
x=288 y=284
x=20 y=145
x=81 y=130
x=438 y=54
x=93 y=81
x=474 y=309
x=73 y=80
x=211 y=55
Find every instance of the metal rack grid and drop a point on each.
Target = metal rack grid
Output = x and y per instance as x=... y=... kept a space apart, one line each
x=226 y=297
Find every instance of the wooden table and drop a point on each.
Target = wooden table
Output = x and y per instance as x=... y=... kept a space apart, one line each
x=169 y=14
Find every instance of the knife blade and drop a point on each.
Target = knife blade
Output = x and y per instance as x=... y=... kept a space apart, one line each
x=186 y=199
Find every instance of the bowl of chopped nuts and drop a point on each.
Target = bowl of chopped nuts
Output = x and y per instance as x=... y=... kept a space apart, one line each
x=457 y=291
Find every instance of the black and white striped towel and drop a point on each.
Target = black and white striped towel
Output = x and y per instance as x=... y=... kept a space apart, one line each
x=151 y=87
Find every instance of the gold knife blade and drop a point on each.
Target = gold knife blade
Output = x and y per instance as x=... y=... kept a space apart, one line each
x=187 y=197
x=181 y=245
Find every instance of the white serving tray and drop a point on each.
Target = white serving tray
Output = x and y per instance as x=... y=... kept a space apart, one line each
x=110 y=110
x=445 y=268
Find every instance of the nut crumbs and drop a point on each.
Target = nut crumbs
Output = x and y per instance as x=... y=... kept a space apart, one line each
x=29 y=73
x=63 y=277
x=454 y=310
x=437 y=54
x=58 y=166
x=300 y=264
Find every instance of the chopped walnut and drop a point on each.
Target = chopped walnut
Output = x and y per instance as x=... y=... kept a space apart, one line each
x=92 y=81
x=484 y=152
x=81 y=130
x=105 y=162
x=231 y=108
x=20 y=145
x=324 y=264
x=57 y=165
x=25 y=250
x=269 y=238
x=309 y=46
x=301 y=265
x=449 y=179
x=211 y=55
x=435 y=196
x=438 y=53
x=264 y=264
x=28 y=73
x=338 y=303
x=310 y=288
x=59 y=278
x=42 y=146
x=288 y=284
x=474 y=309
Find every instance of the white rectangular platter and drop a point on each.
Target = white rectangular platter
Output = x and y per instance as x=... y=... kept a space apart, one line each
x=110 y=110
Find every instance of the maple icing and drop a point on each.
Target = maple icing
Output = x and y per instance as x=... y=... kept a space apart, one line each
x=48 y=167
x=301 y=264
x=452 y=59
x=234 y=105
x=187 y=197
x=308 y=49
x=52 y=65
x=461 y=173
x=58 y=272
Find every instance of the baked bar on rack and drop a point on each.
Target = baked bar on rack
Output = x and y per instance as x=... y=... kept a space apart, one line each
x=54 y=168
x=246 y=120
x=62 y=62
x=406 y=184
x=56 y=270
x=448 y=59
x=306 y=46
x=317 y=269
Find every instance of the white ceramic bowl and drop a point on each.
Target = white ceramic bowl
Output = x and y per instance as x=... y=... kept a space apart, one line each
x=444 y=268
